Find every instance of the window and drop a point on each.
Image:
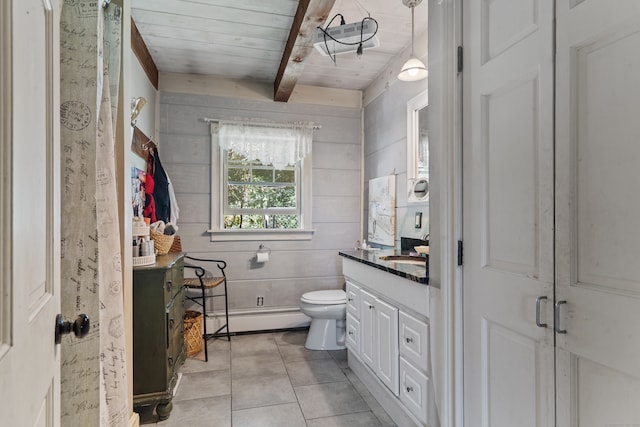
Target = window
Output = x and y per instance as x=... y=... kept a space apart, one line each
x=255 y=199
x=258 y=195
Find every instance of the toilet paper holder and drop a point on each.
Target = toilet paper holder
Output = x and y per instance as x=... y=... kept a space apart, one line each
x=263 y=254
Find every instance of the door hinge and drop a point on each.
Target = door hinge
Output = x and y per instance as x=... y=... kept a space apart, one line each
x=459 y=59
x=460 y=248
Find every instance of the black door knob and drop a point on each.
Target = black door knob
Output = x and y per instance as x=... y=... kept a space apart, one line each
x=80 y=327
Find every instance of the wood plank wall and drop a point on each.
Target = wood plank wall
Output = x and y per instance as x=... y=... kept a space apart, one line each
x=385 y=153
x=295 y=267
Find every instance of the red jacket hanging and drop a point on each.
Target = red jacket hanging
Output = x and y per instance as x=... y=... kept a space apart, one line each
x=149 y=202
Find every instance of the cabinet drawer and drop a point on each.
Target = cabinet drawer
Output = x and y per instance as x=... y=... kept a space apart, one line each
x=173 y=283
x=353 y=334
x=353 y=299
x=413 y=390
x=414 y=341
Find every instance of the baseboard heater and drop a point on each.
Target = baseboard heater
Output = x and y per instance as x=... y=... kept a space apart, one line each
x=259 y=319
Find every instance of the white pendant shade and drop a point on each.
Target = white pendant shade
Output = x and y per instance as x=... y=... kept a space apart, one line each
x=413 y=70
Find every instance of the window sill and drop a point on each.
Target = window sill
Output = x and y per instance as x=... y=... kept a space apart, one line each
x=259 y=235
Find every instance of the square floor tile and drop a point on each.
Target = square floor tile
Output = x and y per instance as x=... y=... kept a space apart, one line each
x=304 y=372
x=263 y=391
x=340 y=356
x=292 y=352
x=218 y=359
x=361 y=419
x=324 y=400
x=253 y=344
x=211 y=411
x=291 y=337
x=204 y=384
x=257 y=366
x=371 y=401
x=287 y=415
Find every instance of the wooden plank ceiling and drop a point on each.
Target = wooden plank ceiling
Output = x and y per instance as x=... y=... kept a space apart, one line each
x=270 y=41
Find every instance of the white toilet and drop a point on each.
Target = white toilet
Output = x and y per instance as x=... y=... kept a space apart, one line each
x=328 y=312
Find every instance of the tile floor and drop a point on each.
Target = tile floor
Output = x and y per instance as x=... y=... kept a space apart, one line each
x=271 y=380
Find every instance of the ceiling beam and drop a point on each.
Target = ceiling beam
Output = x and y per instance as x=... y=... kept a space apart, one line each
x=310 y=14
x=142 y=53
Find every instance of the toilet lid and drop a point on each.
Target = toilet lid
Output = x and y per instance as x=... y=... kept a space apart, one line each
x=332 y=296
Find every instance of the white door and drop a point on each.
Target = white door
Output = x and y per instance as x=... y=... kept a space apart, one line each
x=29 y=220
x=508 y=213
x=598 y=212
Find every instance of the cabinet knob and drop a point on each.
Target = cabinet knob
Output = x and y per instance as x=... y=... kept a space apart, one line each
x=169 y=286
x=370 y=307
x=350 y=299
x=409 y=340
x=409 y=389
x=350 y=332
x=170 y=361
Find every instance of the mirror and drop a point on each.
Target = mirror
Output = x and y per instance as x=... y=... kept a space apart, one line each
x=418 y=149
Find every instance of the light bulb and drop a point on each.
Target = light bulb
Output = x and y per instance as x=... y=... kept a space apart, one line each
x=413 y=70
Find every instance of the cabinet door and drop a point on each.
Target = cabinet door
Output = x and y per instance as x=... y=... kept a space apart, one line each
x=413 y=390
x=353 y=299
x=386 y=360
x=414 y=341
x=353 y=334
x=367 y=328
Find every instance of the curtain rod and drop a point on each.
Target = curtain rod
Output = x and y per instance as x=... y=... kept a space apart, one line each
x=208 y=120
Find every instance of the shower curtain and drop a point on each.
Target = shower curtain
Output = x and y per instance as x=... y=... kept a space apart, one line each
x=93 y=369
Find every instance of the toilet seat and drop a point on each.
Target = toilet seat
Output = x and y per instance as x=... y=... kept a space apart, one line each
x=326 y=297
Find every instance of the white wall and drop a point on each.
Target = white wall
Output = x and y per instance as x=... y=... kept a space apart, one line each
x=146 y=121
x=385 y=152
x=295 y=267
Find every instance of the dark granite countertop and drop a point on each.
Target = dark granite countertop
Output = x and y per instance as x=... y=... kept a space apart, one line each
x=415 y=273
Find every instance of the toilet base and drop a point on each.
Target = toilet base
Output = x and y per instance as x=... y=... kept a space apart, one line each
x=326 y=334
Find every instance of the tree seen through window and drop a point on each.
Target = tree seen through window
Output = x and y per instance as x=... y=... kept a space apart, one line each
x=259 y=196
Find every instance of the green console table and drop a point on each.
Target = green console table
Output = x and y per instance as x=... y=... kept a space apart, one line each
x=158 y=343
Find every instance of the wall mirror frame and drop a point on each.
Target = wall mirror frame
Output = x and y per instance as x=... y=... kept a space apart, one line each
x=417 y=143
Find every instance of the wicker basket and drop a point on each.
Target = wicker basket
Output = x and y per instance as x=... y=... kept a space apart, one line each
x=162 y=242
x=176 y=246
x=193 y=332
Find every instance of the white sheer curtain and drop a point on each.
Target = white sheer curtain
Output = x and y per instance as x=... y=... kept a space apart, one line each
x=275 y=143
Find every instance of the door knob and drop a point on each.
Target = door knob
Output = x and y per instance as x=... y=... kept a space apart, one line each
x=80 y=327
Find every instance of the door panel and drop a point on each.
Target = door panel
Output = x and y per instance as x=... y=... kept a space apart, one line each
x=29 y=213
x=510 y=371
x=367 y=325
x=387 y=344
x=597 y=203
x=508 y=212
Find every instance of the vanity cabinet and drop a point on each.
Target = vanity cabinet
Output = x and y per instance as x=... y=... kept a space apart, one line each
x=388 y=340
x=158 y=342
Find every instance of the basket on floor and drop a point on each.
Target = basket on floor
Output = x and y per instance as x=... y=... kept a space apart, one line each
x=162 y=242
x=193 y=332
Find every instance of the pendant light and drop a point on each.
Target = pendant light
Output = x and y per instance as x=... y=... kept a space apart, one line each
x=413 y=69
